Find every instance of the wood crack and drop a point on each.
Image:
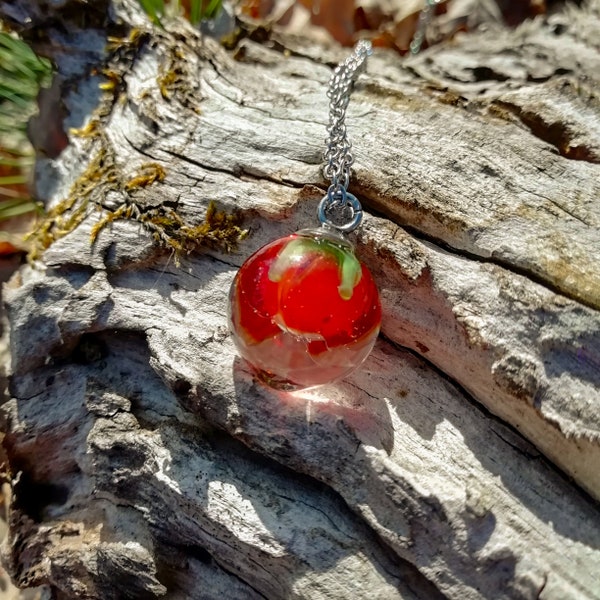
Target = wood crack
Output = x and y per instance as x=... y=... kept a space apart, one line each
x=523 y=446
x=556 y=134
x=506 y=265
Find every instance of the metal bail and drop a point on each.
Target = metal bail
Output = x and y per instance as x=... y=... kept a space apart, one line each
x=340 y=199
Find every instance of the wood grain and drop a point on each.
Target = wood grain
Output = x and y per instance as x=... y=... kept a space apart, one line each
x=460 y=462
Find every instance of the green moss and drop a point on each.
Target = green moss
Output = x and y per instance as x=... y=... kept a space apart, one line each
x=219 y=230
x=149 y=174
x=168 y=229
x=99 y=176
x=177 y=78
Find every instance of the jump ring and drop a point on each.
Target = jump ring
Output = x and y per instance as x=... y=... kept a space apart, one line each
x=347 y=200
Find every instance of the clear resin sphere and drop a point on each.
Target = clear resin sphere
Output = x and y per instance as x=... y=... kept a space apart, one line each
x=304 y=311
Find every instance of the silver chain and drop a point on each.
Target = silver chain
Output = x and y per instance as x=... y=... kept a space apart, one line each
x=338 y=156
x=424 y=19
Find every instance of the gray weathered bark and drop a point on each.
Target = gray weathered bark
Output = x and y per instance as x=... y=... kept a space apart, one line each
x=460 y=462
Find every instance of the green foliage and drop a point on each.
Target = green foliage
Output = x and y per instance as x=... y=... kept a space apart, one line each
x=194 y=10
x=17 y=207
x=21 y=75
x=154 y=8
x=204 y=10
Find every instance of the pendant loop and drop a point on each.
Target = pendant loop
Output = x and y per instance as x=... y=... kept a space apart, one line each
x=339 y=200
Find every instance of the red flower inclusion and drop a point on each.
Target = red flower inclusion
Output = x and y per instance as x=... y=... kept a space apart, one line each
x=310 y=286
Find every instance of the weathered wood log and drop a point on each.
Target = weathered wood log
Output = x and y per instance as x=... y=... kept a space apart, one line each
x=460 y=462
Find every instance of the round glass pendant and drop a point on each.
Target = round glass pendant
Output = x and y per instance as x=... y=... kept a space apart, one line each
x=303 y=310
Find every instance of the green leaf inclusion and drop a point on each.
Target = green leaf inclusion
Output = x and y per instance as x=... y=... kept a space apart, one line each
x=349 y=268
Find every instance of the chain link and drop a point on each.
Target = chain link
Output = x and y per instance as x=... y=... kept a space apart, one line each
x=423 y=23
x=338 y=158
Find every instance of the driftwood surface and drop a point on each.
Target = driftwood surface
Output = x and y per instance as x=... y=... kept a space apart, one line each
x=462 y=461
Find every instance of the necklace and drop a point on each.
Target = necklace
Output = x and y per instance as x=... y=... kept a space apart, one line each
x=303 y=311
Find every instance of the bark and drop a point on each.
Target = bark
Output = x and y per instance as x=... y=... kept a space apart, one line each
x=460 y=462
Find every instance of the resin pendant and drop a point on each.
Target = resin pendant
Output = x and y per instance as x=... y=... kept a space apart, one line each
x=303 y=310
